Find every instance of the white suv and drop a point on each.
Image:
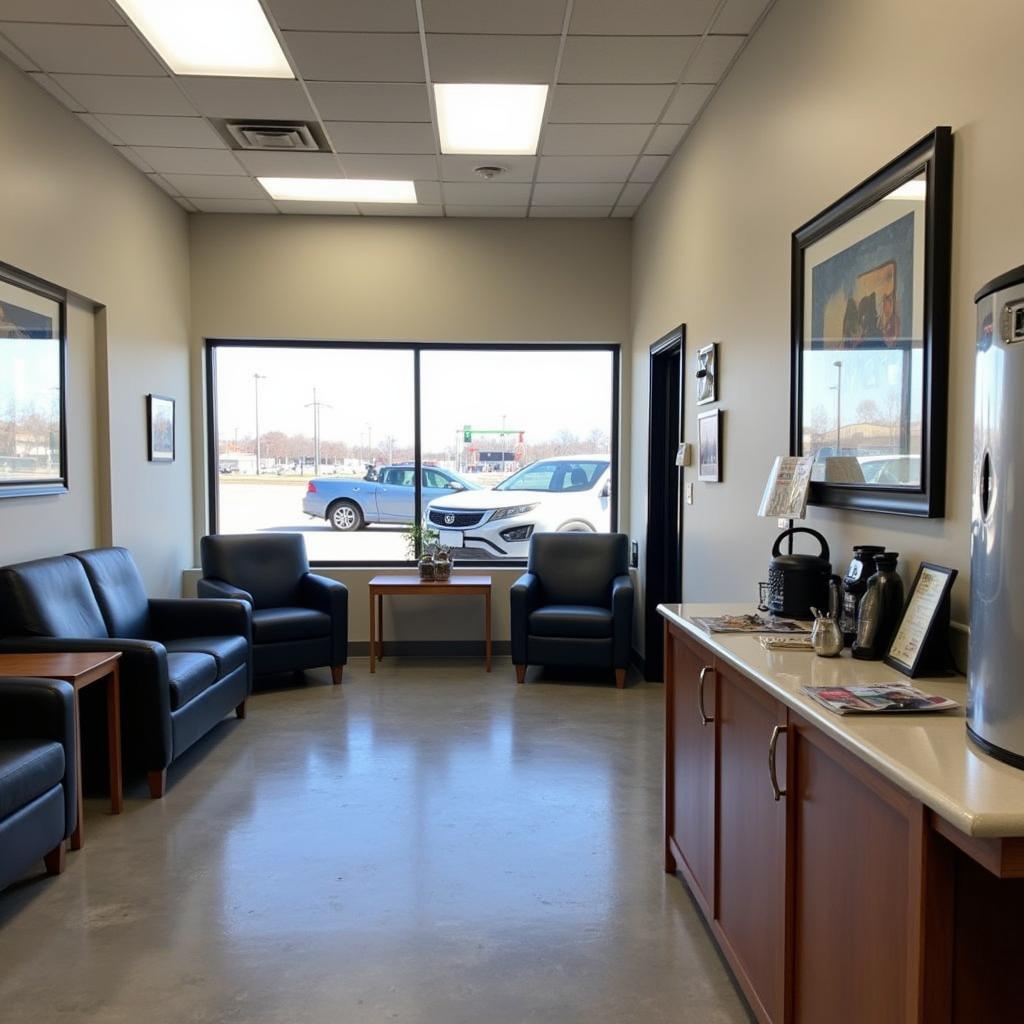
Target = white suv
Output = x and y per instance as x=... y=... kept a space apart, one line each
x=567 y=493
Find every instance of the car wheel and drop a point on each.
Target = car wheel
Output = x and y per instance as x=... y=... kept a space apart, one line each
x=576 y=527
x=345 y=516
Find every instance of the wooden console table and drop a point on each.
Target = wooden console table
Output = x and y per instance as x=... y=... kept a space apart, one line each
x=81 y=670
x=455 y=586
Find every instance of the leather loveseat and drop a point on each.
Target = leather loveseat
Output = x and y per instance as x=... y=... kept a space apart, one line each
x=185 y=663
x=574 y=604
x=38 y=764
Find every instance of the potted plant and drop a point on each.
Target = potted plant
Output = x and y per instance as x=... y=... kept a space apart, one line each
x=422 y=539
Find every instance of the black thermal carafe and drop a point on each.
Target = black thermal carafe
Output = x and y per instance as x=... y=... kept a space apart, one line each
x=855 y=583
x=880 y=610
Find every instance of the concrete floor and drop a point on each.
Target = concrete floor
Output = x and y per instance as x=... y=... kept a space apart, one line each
x=430 y=845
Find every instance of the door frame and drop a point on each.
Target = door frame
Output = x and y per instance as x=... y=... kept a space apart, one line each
x=656 y=576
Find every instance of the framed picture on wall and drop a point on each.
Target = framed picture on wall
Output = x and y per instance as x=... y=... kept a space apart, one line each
x=709 y=452
x=707 y=374
x=33 y=385
x=160 y=422
x=870 y=337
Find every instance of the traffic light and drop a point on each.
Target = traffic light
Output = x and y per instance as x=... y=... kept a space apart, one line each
x=467 y=434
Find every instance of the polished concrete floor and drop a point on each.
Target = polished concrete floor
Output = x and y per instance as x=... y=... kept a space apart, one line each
x=429 y=845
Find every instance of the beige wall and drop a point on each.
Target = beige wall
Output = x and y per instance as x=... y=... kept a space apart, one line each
x=407 y=279
x=824 y=94
x=75 y=213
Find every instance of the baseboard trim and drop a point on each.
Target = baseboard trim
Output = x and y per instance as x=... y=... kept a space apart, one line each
x=432 y=648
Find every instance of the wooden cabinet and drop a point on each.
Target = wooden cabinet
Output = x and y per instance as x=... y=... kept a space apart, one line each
x=690 y=768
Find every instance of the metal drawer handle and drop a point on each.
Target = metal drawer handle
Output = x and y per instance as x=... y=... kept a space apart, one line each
x=705 y=719
x=772 y=775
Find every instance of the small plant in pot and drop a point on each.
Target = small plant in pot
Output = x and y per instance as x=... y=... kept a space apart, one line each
x=424 y=540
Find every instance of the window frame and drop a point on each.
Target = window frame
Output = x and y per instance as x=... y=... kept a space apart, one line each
x=210 y=346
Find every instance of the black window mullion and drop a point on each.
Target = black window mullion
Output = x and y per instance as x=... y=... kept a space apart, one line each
x=417 y=450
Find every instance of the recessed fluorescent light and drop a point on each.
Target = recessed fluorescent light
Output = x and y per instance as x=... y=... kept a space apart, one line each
x=211 y=37
x=340 y=190
x=490 y=119
x=917 y=188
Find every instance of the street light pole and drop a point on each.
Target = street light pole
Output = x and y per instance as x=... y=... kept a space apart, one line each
x=838 y=364
x=369 y=444
x=256 y=378
x=316 y=405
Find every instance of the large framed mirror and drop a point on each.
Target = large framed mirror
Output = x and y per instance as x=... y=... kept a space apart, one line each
x=870 y=338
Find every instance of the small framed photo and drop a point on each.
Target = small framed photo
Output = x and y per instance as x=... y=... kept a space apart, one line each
x=160 y=423
x=707 y=374
x=921 y=641
x=709 y=453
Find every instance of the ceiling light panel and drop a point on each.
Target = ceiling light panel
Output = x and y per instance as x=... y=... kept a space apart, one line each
x=340 y=190
x=490 y=119
x=210 y=37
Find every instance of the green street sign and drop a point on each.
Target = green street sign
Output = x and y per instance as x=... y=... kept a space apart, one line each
x=467 y=434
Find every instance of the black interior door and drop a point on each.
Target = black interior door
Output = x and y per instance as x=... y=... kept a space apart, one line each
x=664 y=551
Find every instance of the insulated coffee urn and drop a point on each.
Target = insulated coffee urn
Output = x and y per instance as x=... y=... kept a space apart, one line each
x=995 y=706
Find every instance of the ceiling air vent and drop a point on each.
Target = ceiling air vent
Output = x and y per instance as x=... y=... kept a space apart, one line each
x=273 y=135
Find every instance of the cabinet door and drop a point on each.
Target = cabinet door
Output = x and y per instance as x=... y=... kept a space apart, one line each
x=690 y=765
x=750 y=912
x=857 y=845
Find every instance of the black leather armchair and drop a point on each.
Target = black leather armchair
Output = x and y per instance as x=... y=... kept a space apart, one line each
x=574 y=605
x=299 y=619
x=38 y=784
x=185 y=663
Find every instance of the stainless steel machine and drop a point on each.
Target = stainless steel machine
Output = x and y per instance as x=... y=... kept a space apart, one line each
x=995 y=707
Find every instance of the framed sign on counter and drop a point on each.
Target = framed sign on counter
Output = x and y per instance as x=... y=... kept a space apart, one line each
x=921 y=641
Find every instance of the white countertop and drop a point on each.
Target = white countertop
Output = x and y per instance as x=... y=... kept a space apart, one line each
x=927 y=755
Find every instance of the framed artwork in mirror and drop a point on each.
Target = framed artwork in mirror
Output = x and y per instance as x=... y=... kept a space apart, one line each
x=870 y=337
x=707 y=374
x=33 y=386
x=160 y=423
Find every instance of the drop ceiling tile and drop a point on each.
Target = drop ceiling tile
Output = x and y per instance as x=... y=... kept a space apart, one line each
x=374 y=137
x=173 y=160
x=61 y=95
x=585 y=168
x=624 y=211
x=214 y=205
x=626 y=59
x=126 y=94
x=458 y=58
x=570 y=211
x=633 y=194
x=594 y=139
x=163 y=184
x=713 y=58
x=350 y=16
x=326 y=209
x=666 y=137
x=528 y=17
x=648 y=168
x=370 y=101
x=143 y=130
x=463 y=168
x=642 y=17
x=80 y=12
x=428 y=193
x=575 y=194
x=15 y=56
x=739 y=15
x=290 y=165
x=215 y=186
x=485 y=211
x=486 y=193
x=84 y=49
x=258 y=98
x=133 y=158
x=100 y=129
x=686 y=104
x=608 y=104
x=185 y=204
x=357 y=56
x=389 y=165
x=400 y=210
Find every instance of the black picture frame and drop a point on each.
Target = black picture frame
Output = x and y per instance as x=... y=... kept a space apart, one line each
x=156 y=433
x=929 y=601
x=15 y=285
x=931 y=158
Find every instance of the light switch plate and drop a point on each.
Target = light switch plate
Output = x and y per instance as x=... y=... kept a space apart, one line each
x=689 y=494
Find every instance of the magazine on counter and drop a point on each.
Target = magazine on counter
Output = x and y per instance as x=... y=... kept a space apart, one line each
x=753 y=623
x=852 y=700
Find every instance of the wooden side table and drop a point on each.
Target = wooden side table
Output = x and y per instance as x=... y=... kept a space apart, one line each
x=455 y=586
x=81 y=670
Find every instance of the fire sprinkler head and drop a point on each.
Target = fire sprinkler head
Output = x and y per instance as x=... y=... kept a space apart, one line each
x=489 y=171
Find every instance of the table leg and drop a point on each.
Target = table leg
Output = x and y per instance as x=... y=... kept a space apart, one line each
x=487 y=627
x=114 y=740
x=78 y=836
x=373 y=631
x=380 y=627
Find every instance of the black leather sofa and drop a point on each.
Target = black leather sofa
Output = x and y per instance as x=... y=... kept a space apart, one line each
x=299 y=619
x=574 y=605
x=185 y=663
x=38 y=765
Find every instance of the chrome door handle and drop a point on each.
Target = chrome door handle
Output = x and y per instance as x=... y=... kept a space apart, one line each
x=705 y=719
x=772 y=774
